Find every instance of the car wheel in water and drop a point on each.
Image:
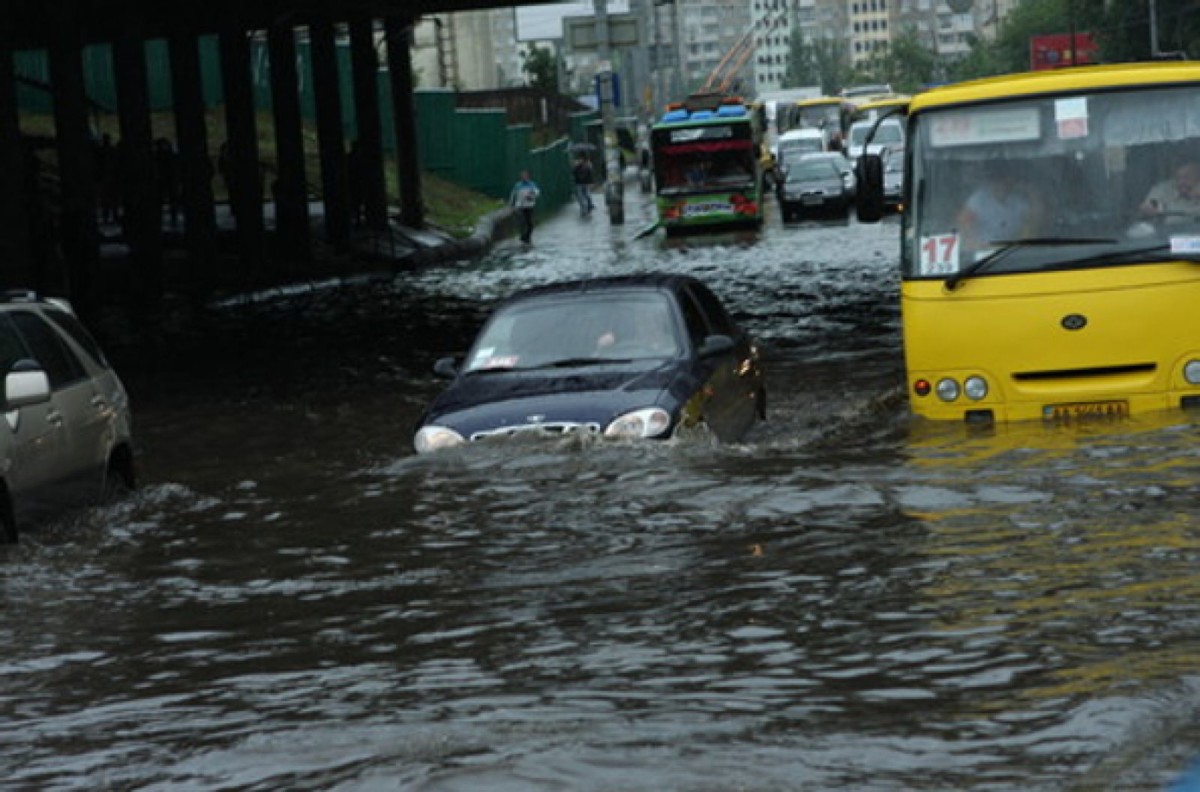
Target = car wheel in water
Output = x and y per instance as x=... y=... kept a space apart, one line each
x=119 y=480
x=8 y=521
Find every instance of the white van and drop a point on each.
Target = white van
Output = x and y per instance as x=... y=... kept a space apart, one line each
x=889 y=135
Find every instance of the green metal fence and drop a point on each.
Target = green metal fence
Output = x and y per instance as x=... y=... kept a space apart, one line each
x=476 y=148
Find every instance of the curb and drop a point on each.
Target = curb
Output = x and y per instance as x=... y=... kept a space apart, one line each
x=490 y=227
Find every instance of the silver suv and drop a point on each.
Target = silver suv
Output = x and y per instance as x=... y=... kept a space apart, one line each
x=65 y=438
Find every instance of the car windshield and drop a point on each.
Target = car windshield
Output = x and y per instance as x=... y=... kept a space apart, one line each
x=889 y=133
x=800 y=144
x=812 y=170
x=1066 y=177
x=577 y=329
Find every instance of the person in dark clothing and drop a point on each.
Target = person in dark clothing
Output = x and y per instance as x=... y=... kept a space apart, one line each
x=166 y=166
x=581 y=172
x=108 y=170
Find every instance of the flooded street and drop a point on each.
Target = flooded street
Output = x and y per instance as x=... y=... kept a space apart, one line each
x=848 y=600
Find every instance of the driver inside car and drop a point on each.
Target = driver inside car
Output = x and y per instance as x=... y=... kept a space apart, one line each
x=1177 y=199
x=641 y=330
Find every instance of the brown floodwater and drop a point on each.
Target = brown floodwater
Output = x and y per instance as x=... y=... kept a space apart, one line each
x=848 y=599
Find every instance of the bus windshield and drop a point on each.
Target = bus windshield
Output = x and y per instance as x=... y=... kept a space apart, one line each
x=1052 y=182
x=703 y=157
x=819 y=115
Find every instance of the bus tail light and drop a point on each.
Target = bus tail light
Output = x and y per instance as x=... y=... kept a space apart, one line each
x=922 y=387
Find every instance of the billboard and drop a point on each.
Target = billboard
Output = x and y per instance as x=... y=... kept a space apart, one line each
x=544 y=22
x=1053 y=51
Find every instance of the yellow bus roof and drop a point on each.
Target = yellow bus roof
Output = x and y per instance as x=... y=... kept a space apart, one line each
x=821 y=100
x=1078 y=78
x=899 y=100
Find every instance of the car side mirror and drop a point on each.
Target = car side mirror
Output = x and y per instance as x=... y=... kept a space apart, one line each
x=868 y=172
x=445 y=367
x=25 y=384
x=715 y=345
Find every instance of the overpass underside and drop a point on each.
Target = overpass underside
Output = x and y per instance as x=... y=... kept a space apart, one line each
x=54 y=244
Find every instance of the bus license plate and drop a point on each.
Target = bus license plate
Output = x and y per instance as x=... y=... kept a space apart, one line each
x=1086 y=411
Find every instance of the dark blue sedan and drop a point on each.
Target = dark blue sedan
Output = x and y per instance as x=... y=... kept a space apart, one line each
x=635 y=356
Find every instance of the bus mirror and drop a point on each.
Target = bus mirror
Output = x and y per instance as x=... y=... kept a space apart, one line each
x=869 y=201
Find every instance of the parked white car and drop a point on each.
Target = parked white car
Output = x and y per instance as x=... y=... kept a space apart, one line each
x=66 y=438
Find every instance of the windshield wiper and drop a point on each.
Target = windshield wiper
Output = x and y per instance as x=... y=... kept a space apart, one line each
x=579 y=361
x=1009 y=245
x=1132 y=256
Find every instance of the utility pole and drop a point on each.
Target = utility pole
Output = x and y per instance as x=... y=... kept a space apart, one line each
x=614 y=188
x=662 y=94
x=1153 y=30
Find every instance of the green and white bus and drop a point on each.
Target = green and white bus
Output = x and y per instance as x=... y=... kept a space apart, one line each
x=707 y=170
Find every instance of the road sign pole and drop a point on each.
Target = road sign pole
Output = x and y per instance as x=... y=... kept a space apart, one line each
x=614 y=188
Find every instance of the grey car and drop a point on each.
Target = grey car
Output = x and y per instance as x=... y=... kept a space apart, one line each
x=66 y=437
x=816 y=183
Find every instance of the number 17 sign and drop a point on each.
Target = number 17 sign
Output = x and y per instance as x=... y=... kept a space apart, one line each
x=939 y=254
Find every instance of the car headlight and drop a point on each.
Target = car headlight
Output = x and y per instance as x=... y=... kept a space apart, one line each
x=647 y=422
x=433 y=438
x=1191 y=372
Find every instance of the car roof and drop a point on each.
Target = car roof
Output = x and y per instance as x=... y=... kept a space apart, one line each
x=26 y=298
x=797 y=134
x=641 y=280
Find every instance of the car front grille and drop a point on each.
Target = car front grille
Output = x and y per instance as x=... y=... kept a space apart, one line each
x=555 y=429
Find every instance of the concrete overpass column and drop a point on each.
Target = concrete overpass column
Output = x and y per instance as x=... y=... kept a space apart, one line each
x=143 y=217
x=21 y=200
x=242 y=174
x=330 y=138
x=290 y=190
x=78 y=228
x=195 y=160
x=369 y=164
x=398 y=30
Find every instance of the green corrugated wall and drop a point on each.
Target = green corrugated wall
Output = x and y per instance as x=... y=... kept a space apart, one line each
x=476 y=148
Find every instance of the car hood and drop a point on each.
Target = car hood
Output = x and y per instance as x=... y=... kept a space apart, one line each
x=595 y=395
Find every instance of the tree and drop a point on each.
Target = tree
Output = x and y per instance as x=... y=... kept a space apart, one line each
x=980 y=61
x=1009 y=52
x=542 y=67
x=832 y=59
x=909 y=64
x=801 y=65
x=1124 y=33
x=823 y=62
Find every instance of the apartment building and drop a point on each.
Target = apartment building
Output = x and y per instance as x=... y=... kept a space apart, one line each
x=476 y=50
x=773 y=22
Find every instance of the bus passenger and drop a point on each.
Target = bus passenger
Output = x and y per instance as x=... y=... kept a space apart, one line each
x=1001 y=209
x=1177 y=199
